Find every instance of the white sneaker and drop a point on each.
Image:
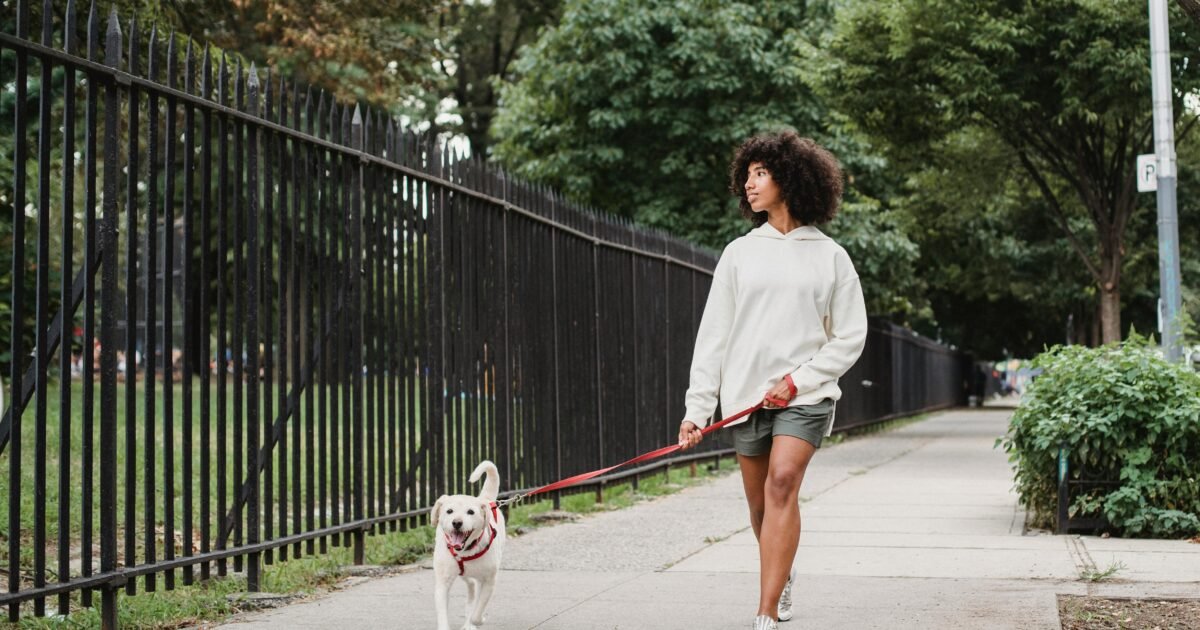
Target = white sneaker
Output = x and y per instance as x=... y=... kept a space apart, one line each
x=785 y=598
x=763 y=622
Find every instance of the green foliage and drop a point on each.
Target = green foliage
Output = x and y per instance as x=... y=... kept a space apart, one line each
x=378 y=51
x=483 y=39
x=883 y=255
x=1041 y=108
x=1125 y=415
x=636 y=108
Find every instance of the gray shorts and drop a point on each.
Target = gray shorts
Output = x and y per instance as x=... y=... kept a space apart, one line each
x=807 y=422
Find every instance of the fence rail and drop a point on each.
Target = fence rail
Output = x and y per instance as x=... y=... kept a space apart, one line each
x=338 y=320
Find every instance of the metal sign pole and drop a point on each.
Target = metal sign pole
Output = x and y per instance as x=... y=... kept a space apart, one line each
x=1164 y=153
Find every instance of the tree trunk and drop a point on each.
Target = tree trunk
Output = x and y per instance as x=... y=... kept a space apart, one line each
x=1112 y=254
x=1110 y=313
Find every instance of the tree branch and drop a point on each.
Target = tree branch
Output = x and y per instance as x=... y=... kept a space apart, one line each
x=1191 y=8
x=1059 y=215
x=1186 y=130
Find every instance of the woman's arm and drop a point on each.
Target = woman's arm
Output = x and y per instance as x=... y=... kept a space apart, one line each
x=847 y=335
x=712 y=339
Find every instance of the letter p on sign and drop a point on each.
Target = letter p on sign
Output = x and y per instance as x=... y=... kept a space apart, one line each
x=1147 y=173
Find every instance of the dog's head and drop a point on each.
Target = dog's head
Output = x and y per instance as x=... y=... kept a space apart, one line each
x=462 y=518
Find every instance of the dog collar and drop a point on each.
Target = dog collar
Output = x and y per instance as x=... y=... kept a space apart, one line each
x=491 y=537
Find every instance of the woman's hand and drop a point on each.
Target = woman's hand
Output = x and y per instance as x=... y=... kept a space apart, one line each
x=689 y=435
x=780 y=395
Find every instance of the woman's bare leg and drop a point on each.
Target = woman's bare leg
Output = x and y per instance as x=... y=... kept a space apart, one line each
x=780 y=529
x=754 y=477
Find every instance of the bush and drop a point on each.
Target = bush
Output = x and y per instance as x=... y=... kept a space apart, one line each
x=1125 y=415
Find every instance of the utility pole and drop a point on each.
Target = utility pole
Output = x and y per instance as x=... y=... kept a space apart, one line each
x=1164 y=156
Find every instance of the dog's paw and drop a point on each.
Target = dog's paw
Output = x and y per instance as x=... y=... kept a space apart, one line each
x=469 y=626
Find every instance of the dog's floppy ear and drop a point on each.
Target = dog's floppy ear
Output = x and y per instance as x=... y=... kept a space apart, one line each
x=436 y=510
x=489 y=516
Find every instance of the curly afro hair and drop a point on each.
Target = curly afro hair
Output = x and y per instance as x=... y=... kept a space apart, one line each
x=808 y=176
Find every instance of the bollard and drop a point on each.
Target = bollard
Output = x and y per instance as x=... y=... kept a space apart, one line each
x=1061 y=525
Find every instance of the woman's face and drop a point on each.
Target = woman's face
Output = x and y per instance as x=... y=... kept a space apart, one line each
x=761 y=190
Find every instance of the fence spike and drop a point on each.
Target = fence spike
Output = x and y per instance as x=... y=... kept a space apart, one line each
x=345 y=128
x=134 y=42
x=112 y=39
x=189 y=71
x=268 y=96
x=206 y=74
x=223 y=78
x=47 y=14
x=93 y=43
x=239 y=85
x=171 y=62
x=308 y=104
x=296 y=103
x=69 y=29
x=320 y=115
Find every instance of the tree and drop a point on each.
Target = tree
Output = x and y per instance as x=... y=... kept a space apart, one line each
x=483 y=41
x=373 y=51
x=1063 y=85
x=636 y=108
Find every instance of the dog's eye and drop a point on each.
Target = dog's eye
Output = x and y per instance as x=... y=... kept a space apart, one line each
x=471 y=512
x=449 y=511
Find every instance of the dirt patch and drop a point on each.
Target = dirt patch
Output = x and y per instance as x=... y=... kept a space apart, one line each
x=1100 y=613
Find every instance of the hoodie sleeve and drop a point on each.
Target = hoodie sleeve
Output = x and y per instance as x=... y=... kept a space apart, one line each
x=711 y=341
x=847 y=330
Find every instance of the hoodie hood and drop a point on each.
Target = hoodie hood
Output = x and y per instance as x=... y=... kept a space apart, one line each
x=802 y=233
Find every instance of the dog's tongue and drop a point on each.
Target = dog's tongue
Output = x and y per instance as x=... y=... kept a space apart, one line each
x=458 y=539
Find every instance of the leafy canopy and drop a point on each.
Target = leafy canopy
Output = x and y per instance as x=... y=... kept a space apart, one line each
x=1059 y=89
x=635 y=107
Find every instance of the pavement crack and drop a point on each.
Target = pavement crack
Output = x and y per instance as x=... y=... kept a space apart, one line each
x=708 y=542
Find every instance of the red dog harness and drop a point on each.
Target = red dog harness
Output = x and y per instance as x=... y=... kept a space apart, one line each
x=491 y=537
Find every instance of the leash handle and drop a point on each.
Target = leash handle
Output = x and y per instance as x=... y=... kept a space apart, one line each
x=655 y=454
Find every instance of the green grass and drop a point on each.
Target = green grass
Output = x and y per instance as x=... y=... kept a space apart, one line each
x=1101 y=575
x=74 y=470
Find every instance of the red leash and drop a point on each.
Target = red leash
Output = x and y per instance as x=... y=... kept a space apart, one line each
x=666 y=450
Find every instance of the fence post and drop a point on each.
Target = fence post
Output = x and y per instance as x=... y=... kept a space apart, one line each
x=557 y=377
x=596 y=344
x=108 y=323
x=254 y=560
x=356 y=326
x=18 y=272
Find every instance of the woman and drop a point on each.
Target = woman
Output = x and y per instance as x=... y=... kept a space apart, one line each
x=784 y=320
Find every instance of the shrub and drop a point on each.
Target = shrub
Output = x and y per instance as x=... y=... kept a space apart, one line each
x=1125 y=415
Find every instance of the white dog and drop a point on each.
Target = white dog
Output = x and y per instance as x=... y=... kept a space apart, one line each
x=471 y=533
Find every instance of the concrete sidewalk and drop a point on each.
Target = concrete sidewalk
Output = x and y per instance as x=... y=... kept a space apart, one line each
x=913 y=528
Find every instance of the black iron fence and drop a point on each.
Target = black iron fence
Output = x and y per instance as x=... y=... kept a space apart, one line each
x=248 y=322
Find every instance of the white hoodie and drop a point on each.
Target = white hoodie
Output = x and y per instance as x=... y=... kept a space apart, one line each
x=779 y=304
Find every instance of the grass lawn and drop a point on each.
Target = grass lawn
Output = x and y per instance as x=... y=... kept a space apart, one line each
x=149 y=483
